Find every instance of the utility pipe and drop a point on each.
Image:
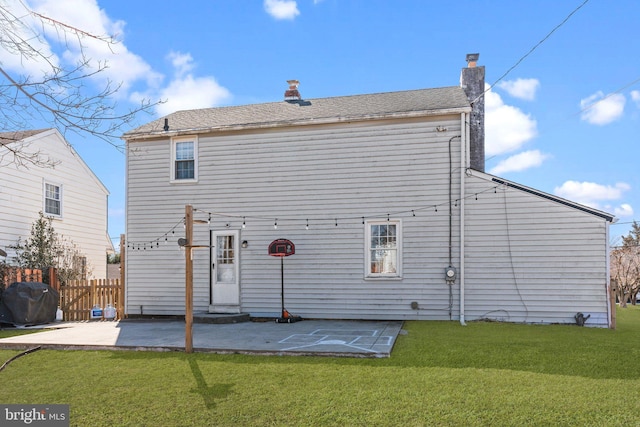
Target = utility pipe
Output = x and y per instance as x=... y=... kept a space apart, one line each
x=464 y=162
x=607 y=282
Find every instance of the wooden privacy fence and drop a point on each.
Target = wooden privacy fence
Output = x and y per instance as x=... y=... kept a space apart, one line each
x=78 y=297
x=15 y=274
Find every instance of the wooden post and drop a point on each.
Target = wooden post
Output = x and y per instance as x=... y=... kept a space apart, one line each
x=188 y=268
x=613 y=289
x=53 y=279
x=120 y=306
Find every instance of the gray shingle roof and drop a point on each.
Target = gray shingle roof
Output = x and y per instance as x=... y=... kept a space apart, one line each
x=19 y=135
x=320 y=110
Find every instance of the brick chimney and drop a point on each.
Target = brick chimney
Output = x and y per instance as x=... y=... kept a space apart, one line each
x=472 y=82
x=292 y=94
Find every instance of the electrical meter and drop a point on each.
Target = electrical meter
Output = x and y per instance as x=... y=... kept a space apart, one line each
x=450 y=274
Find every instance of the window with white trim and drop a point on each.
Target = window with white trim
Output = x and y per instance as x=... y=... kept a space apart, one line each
x=184 y=162
x=52 y=199
x=383 y=242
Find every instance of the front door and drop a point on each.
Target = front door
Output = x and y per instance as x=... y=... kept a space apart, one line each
x=225 y=283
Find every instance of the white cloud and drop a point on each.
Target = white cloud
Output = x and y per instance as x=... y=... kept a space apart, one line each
x=182 y=62
x=26 y=65
x=521 y=88
x=507 y=128
x=594 y=195
x=598 y=109
x=61 y=48
x=635 y=96
x=624 y=210
x=281 y=9
x=520 y=162
x=124 y=68
x=185 y=91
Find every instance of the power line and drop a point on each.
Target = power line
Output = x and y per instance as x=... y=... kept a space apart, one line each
x=532 y=49
x=625 y=223
x=609 y=95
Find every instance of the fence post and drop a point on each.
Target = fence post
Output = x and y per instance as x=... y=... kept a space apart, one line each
x=92 y=293
x=53 y=279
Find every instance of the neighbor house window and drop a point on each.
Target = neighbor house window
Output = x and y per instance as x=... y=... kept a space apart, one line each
x=52 y=199
x=185 y=166
x=383 y=240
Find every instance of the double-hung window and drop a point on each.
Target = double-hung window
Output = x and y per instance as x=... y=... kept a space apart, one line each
x=184 y=159
x=52 y=199
x=383 y=243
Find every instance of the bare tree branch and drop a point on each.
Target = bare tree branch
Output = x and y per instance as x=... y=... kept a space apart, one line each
x=62 y=96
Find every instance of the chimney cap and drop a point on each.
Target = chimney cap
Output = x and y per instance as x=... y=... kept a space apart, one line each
x=292 y=94
x=472 y=58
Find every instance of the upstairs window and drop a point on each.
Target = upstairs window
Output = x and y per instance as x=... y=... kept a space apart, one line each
x=383 y=249
x=185 y=166
x=52 y=199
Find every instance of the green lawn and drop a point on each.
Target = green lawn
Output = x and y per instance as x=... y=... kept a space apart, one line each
x=440 y=373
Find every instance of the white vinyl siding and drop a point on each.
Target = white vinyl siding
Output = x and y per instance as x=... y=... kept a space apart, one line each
x=530 y=259
x=526 y=258
x=314 y=173
x=83 y=196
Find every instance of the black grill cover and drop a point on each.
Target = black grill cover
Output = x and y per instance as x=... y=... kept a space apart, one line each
x=28 y=303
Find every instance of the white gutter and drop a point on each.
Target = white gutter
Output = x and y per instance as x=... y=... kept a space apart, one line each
x=464 y=161
x=157 y=131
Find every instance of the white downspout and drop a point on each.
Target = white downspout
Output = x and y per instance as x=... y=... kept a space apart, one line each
x=464 y=127
x=608 y=275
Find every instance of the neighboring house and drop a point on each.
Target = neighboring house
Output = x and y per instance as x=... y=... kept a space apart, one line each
x=69 y=192
x=385 y=199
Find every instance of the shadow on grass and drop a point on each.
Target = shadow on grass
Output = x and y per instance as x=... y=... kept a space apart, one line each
x=550 y=349
x=209 y=393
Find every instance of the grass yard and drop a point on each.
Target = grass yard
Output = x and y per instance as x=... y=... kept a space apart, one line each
x=440 y=373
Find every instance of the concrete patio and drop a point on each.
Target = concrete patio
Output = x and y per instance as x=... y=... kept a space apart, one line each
x=344 y=338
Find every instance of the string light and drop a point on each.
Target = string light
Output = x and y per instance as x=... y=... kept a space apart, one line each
x=210 y=216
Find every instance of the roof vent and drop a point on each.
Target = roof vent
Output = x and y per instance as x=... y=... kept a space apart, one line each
x=292 y=94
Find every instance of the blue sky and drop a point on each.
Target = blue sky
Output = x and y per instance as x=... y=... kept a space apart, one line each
x=565 y=120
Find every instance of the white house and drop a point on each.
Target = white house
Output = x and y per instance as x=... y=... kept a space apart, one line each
x=69 y=192
x=385 y=199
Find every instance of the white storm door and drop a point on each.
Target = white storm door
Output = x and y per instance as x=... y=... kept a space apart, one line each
x=225 y=271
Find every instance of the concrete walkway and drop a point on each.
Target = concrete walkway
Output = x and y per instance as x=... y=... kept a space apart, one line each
x=308 y=337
